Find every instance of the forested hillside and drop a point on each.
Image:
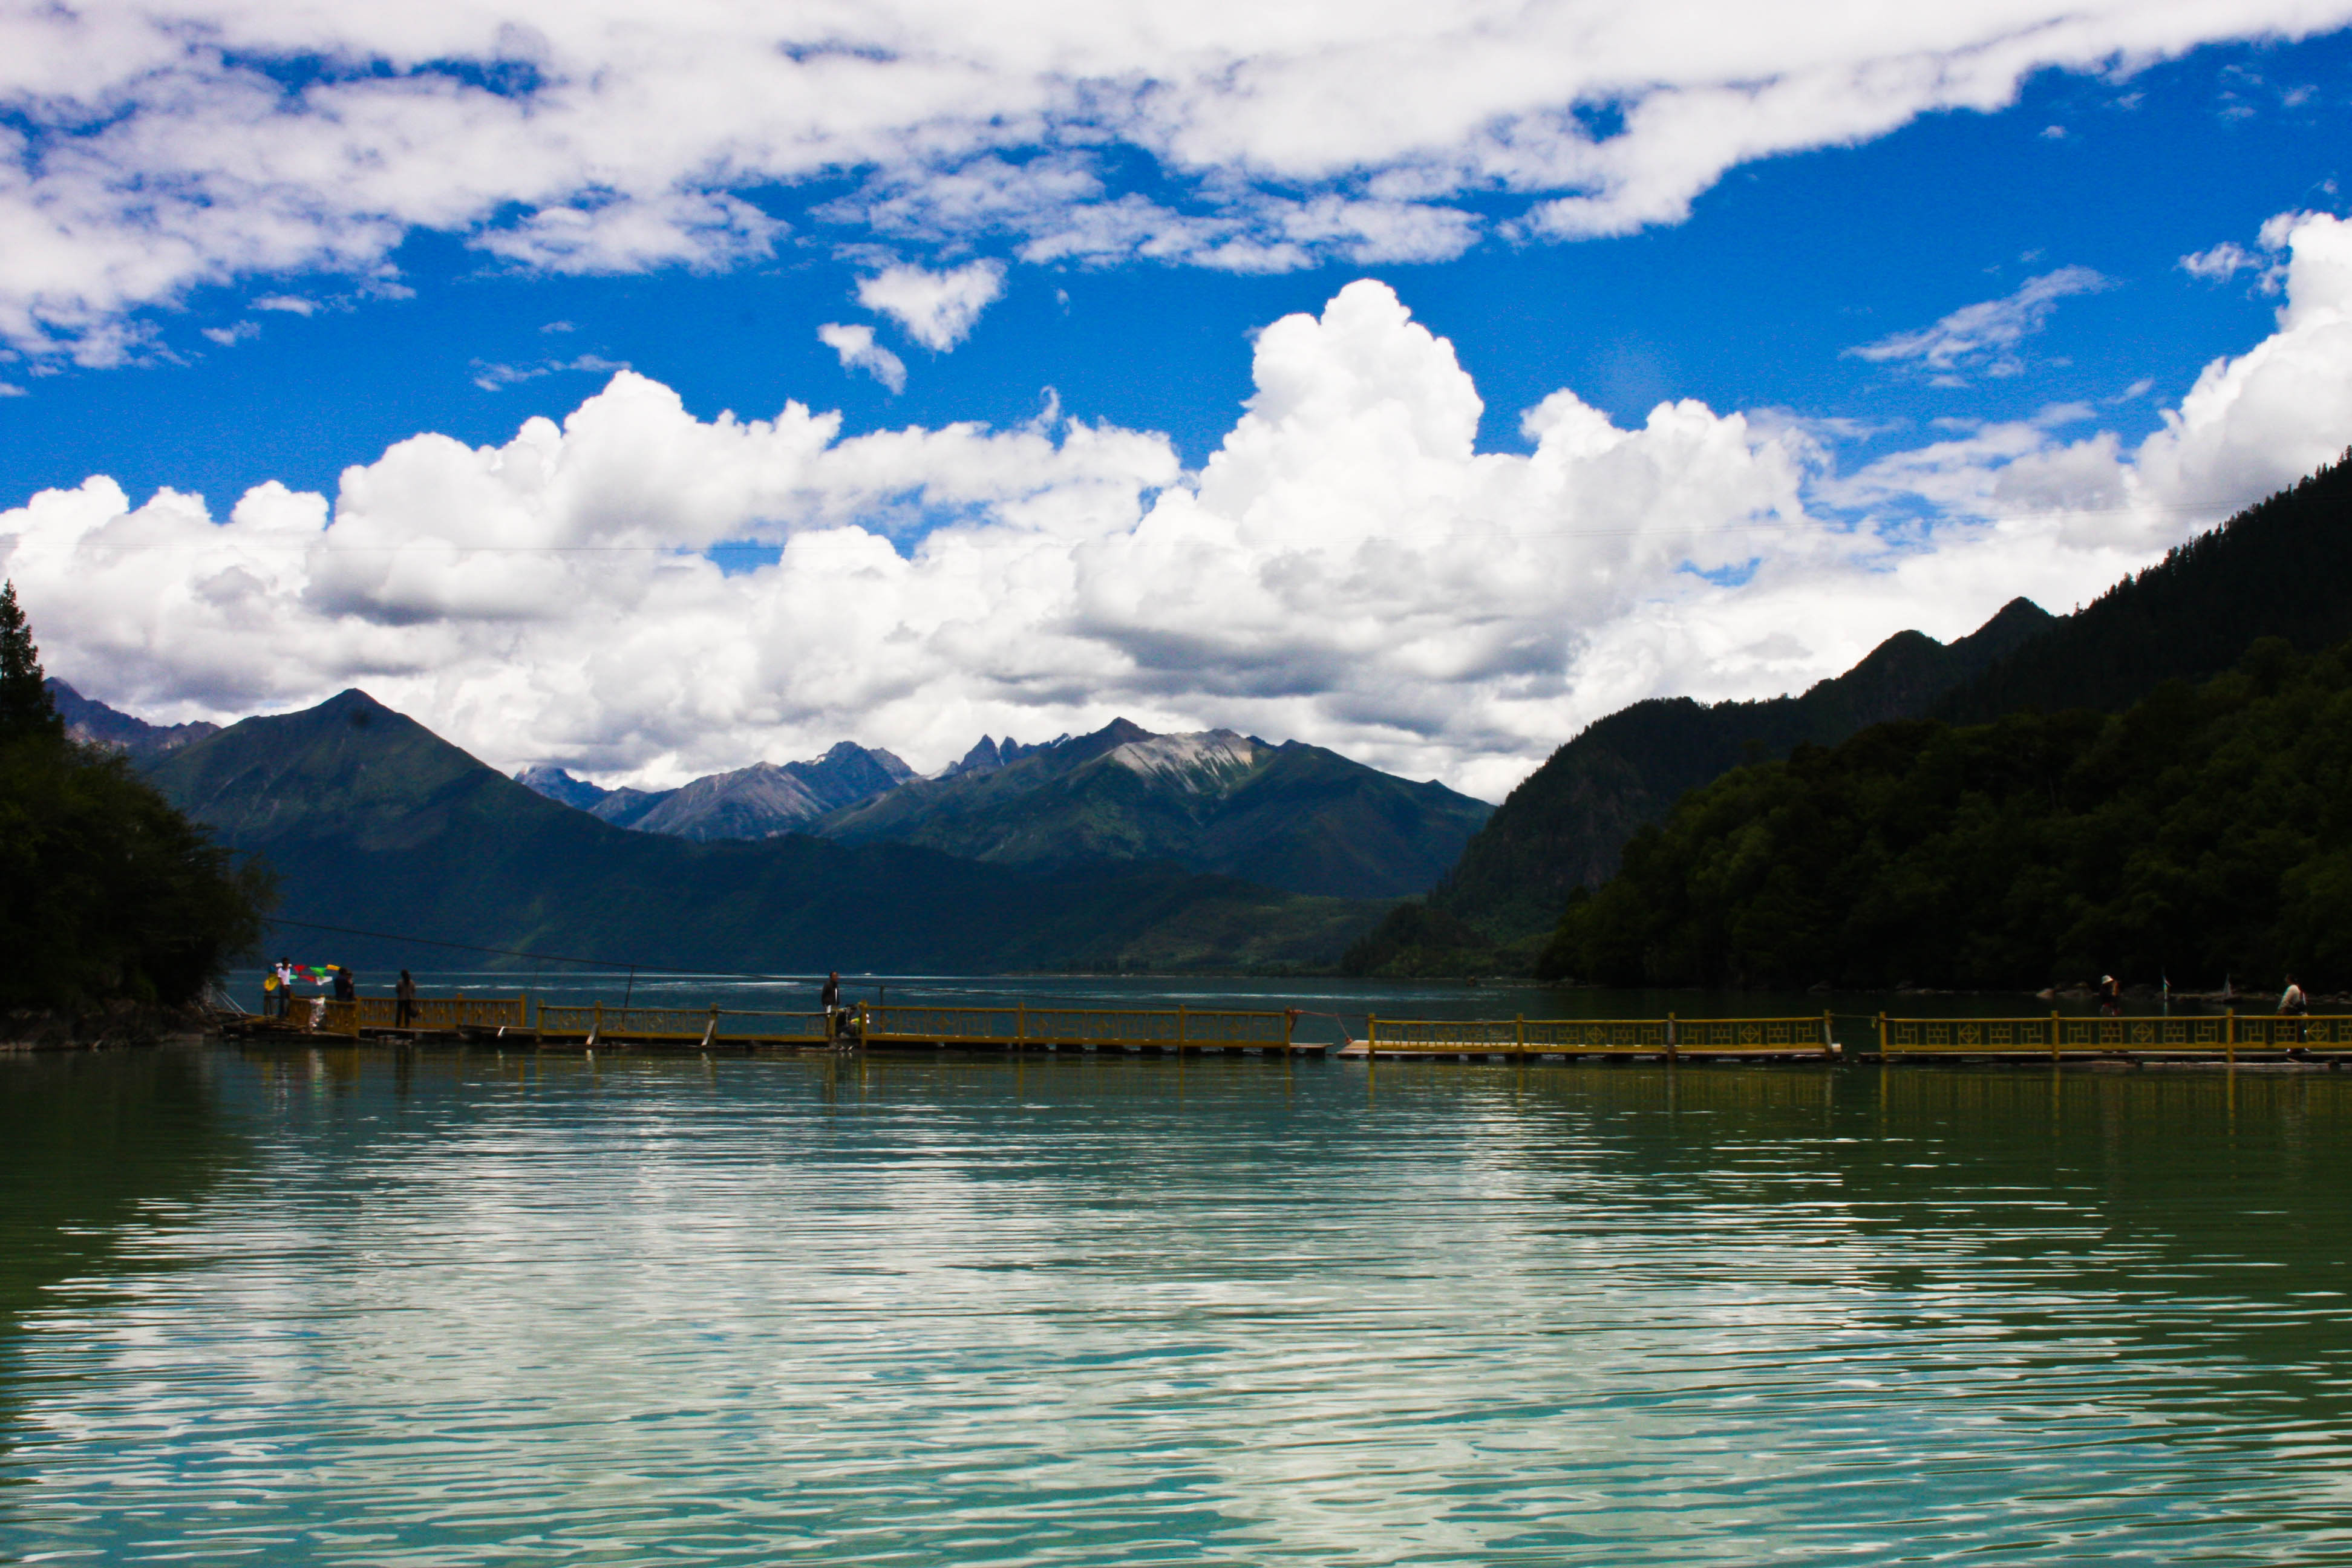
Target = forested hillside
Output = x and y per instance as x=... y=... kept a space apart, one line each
x=2281 y=568
x=1562 y=828
x=2205 y=832
x=107 y=894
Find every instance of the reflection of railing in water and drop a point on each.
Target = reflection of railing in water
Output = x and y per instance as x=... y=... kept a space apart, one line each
x=2057 y=1036
x=1666 y=1037
x=1183 y=1029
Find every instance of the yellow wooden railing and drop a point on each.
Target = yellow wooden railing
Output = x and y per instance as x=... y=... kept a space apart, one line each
x=1181 y=1028
x=600 y=1021
x=2056 y=1035
x=443 y=1013
x=440 y=1014
x=1669 y=1035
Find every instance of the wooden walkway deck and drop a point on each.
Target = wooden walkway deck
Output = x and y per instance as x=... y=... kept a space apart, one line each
x=2225 y=1037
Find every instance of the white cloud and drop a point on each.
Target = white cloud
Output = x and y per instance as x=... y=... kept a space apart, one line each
x=145 y=148
x=1347 y=568
x=938 y=309
x=292 y=304
x=2222 y=263
x=234 y=333
x=1984 y=337
x=491 y=377
x=858 y=351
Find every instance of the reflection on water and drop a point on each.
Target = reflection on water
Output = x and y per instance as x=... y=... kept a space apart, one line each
x=464 y=1308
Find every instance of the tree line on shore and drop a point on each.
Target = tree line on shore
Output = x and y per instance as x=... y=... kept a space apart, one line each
x=106 y=893
x=2203 y=832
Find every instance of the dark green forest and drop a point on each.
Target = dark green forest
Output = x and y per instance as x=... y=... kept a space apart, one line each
x=2281 y=568
x=2204 y=832
x=106 y=893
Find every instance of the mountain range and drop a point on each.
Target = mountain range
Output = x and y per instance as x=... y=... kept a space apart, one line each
x=1293 y=816
x=758 y=802
x=376 y=825
x=1225 y=848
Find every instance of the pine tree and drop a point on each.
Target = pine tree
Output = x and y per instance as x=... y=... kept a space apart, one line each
x=26 y=709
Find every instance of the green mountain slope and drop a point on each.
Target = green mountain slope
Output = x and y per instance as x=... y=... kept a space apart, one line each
x=2205 y=833
x=1292 y=817
x=374 y=822
x=1563 y=828
x=2281 y=568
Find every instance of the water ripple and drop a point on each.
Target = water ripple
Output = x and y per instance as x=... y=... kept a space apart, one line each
x=464 y=1309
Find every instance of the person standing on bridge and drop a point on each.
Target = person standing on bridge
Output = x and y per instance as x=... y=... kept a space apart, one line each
x=404 y=997
x=830 y=1000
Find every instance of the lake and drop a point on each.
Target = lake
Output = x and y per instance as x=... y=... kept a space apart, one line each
x=355 y=1305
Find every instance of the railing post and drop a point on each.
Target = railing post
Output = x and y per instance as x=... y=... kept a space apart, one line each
x=1882 y=1040
x=1021 y=1023
x=2230 y=1038
x=1519 y=1033
x=1671 y=1041
x=2054 y=1032
x=1829 y=1035
x=1179 y=1028
x=1290 y=1022
x=1371 y=1036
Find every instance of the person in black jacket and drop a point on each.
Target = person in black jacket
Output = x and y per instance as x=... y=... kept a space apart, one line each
x=830 y=1000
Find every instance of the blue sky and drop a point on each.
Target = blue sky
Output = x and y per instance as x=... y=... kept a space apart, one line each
x=1747 y=287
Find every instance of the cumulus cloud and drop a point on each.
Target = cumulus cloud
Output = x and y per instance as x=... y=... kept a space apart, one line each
x=1346 y=567
x=938 y=309
x=858 y=351
x=147 y=149
x=1984 y=337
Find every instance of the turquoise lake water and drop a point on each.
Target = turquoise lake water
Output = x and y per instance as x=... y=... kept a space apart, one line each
x=365 y=1307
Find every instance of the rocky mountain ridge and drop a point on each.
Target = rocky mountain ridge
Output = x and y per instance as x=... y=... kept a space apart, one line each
x=94 y=724
x=758 y=802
